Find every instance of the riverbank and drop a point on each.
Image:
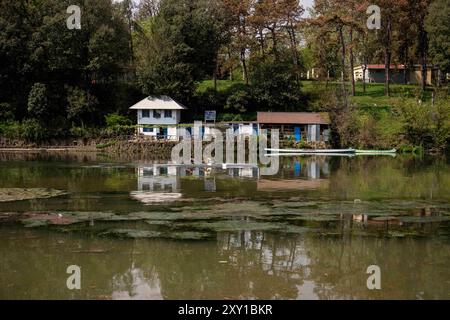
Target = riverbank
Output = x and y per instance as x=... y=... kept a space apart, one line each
x=161 y=149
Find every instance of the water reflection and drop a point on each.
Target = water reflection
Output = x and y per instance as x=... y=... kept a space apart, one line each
x=156 y=181
x=238 y=265
x=308 y=232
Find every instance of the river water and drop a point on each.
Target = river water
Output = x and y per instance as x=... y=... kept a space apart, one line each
x=141 y=230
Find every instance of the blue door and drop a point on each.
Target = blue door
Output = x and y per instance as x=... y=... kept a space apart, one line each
x=164 y=133
x=297 y=169
x=298 y=134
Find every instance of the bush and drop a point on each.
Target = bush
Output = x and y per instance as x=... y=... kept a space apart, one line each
x=239 y=101
x=408 y=148
x=106 y=145
x=114 y=120
x=38 y=105
x=6 y=111
x=33 y=131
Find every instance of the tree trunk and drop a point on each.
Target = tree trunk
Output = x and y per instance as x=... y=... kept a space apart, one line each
x=387 y=59
x=243 y=51
x=295 y=57
x=352 y=63
x=261 y=42
x=423 y=56
x=364 y=76
x=244 y=66
x=405 y=70
x=328 y=79
x=275 y=42
x=215 y=78
x=231 y=66
x=344 y=89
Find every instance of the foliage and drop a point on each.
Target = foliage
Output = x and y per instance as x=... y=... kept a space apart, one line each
x=80 y=103
x=114 y=119
x=106 y=145
x=239 y=101
x=437 y=24
x=38 y=102
x=32 y=130
x=43 y=61
x=6 y=112
x=275 y=87
x=178 y=47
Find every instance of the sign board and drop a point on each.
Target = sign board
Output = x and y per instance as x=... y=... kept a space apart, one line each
x=210 y=116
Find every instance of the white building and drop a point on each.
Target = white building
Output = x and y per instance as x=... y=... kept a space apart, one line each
x=161 y=114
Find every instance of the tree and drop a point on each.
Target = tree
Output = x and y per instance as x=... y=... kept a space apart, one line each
x=179 y=46
x=239 y=12
x=80 y=104
x=38 y=51
x=275 y=87
x=419 y=12
x=38 y=106
x=437 y=24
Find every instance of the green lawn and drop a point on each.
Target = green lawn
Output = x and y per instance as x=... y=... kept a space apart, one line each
x=374 y=96
x=222 y=85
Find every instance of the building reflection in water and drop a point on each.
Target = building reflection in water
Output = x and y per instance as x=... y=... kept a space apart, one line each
x=135 y=284
x=159 y=181
x=306 y=174
x=259 y=265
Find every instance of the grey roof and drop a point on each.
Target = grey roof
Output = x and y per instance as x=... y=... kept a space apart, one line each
x=158 y=103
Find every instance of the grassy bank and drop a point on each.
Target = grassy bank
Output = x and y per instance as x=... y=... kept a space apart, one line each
x=408 y=119
x=374 y=96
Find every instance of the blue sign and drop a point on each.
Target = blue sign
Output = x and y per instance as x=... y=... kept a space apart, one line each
x=210 y=115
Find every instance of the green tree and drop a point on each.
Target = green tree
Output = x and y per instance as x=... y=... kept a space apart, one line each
x=80 y=105
x=179 y=46
x=239 y=101
x=38 y=105
x=275 y=86
x=437 y=24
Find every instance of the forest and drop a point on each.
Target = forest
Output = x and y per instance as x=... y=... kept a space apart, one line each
x=234 y=56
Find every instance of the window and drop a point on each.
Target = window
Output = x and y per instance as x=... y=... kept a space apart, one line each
x=168 y=114
x=148 y=130
x=156 y=114
x=145 y=113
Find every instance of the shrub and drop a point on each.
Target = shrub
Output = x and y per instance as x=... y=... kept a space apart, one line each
x=6 y=111
x=33 y=131
x=114 y=120
x=238 y=101
x=106 y=145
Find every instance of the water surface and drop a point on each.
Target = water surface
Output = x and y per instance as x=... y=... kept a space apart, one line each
x=139 y=230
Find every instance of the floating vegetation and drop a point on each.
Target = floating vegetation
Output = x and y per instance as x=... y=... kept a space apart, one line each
x=233 y=225
x=293 y=229
x=20 y=194
x=295 y=204
x=148 y=234
x=155 y=197
x=200 y=220
x=315 y=217
x=425 y=219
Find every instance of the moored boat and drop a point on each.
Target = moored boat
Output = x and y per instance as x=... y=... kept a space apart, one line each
x=370 y=152
x=313 y=151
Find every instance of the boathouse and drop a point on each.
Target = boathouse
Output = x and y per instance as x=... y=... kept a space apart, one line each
x=307 y=126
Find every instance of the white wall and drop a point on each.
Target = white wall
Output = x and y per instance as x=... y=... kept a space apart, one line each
x=171 y=131
x=175 y=119
x=247 y=129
